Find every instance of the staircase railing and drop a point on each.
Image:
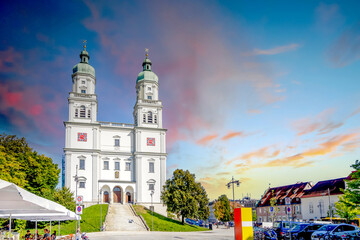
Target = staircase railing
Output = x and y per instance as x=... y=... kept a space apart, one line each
x=142 y=219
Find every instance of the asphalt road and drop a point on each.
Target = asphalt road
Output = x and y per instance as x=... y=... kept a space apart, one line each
x=216 y=234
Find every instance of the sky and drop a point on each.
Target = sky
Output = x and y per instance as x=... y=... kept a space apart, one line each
x=266 y=92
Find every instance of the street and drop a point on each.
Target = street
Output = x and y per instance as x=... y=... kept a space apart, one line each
x=216 y=234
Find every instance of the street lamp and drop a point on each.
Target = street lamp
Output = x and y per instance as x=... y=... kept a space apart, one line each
x=76 y=178
x=232 y=182
x=100 y=202
x=152 y=210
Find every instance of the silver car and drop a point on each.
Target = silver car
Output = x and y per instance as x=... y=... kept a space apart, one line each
x=335 y=231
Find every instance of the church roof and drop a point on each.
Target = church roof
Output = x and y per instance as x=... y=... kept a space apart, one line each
x=83 y=66
x=147 y=75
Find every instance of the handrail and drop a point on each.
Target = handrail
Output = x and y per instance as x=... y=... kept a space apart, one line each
x=142 y=219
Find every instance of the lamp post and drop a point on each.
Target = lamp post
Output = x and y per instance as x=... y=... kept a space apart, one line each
x=100 y=202
x=330 y=213
x=232 y=182
x=152 y=210
x=76 y=187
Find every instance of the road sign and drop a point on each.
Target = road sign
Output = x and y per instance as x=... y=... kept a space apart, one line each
x=79 y=200
x=79 y=209
x=289 y=209
x=271 y=209
x=287 y=201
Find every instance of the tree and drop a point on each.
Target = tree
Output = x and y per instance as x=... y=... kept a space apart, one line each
x=345 y=210
x=185 y=197
x=64 y=197
x=351 y=197
x=222 y=210
x=276 y=209
x=21 y=165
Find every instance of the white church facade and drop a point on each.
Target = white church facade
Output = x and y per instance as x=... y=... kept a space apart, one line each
x=115 y=162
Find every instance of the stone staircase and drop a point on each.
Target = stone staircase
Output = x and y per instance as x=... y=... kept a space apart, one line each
x=120 y=217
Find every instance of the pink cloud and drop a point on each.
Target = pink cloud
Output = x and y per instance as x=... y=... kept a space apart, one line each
x=199 y=77
x=11 y=61
x=31 y=108
x=275 y=50
x=205 y=140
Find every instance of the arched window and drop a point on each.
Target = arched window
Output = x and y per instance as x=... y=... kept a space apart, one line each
x=89 y=113
x=150 y=118
x=82 y=111
x=155 y=118
x=76 y=112
x=144 y=118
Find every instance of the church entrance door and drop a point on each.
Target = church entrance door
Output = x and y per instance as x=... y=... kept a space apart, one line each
x=128 y=197
x=106 y=197
x=117 y=195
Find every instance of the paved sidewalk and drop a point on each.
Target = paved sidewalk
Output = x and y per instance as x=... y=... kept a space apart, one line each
x=121 y=218
x=216 y=234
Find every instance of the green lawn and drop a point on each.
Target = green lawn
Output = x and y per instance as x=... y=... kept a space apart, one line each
x=164 y=224
x=90 y=222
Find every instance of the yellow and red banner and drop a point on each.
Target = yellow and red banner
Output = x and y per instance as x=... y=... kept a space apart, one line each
x=243 y=224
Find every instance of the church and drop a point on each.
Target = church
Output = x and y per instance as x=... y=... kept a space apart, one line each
x=115 y=162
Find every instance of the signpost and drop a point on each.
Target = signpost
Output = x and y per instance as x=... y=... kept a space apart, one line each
x=79 y=210
x=79 y=200
x=288 y=210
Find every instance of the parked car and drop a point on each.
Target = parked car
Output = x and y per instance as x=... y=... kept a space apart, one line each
x=305 y=233
x=190 y=221
x=282 y=227
x=336 y=231
x=293 y=232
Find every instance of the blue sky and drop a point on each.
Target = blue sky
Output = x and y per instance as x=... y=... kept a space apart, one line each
x=267 y=92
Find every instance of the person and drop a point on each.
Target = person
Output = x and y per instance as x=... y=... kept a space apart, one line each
x=53 y=236
x=46 y=235
x=77 y=237
x=28 y=235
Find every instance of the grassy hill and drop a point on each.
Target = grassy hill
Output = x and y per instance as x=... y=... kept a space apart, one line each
x=164 y=224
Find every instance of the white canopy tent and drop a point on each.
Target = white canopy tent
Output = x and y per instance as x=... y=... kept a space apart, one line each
x=14 y=199
x=48 y=217
x=19 y=203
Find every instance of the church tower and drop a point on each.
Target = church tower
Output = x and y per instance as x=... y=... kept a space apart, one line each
x=82 y=99
x=150 y=138
x=148 y=107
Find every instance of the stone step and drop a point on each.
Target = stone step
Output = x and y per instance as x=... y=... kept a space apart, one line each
x=121 y=218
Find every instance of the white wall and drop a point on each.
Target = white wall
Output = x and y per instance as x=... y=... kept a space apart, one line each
x=315 y=201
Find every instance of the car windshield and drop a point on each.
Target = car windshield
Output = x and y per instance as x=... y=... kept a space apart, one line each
x=327 y=227
x=276 y=224
x=299 y=227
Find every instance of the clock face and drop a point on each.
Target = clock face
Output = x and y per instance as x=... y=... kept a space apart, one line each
x=82 y=137
x=150 y=141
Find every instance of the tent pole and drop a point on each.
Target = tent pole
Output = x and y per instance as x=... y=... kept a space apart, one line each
x=10 y=227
